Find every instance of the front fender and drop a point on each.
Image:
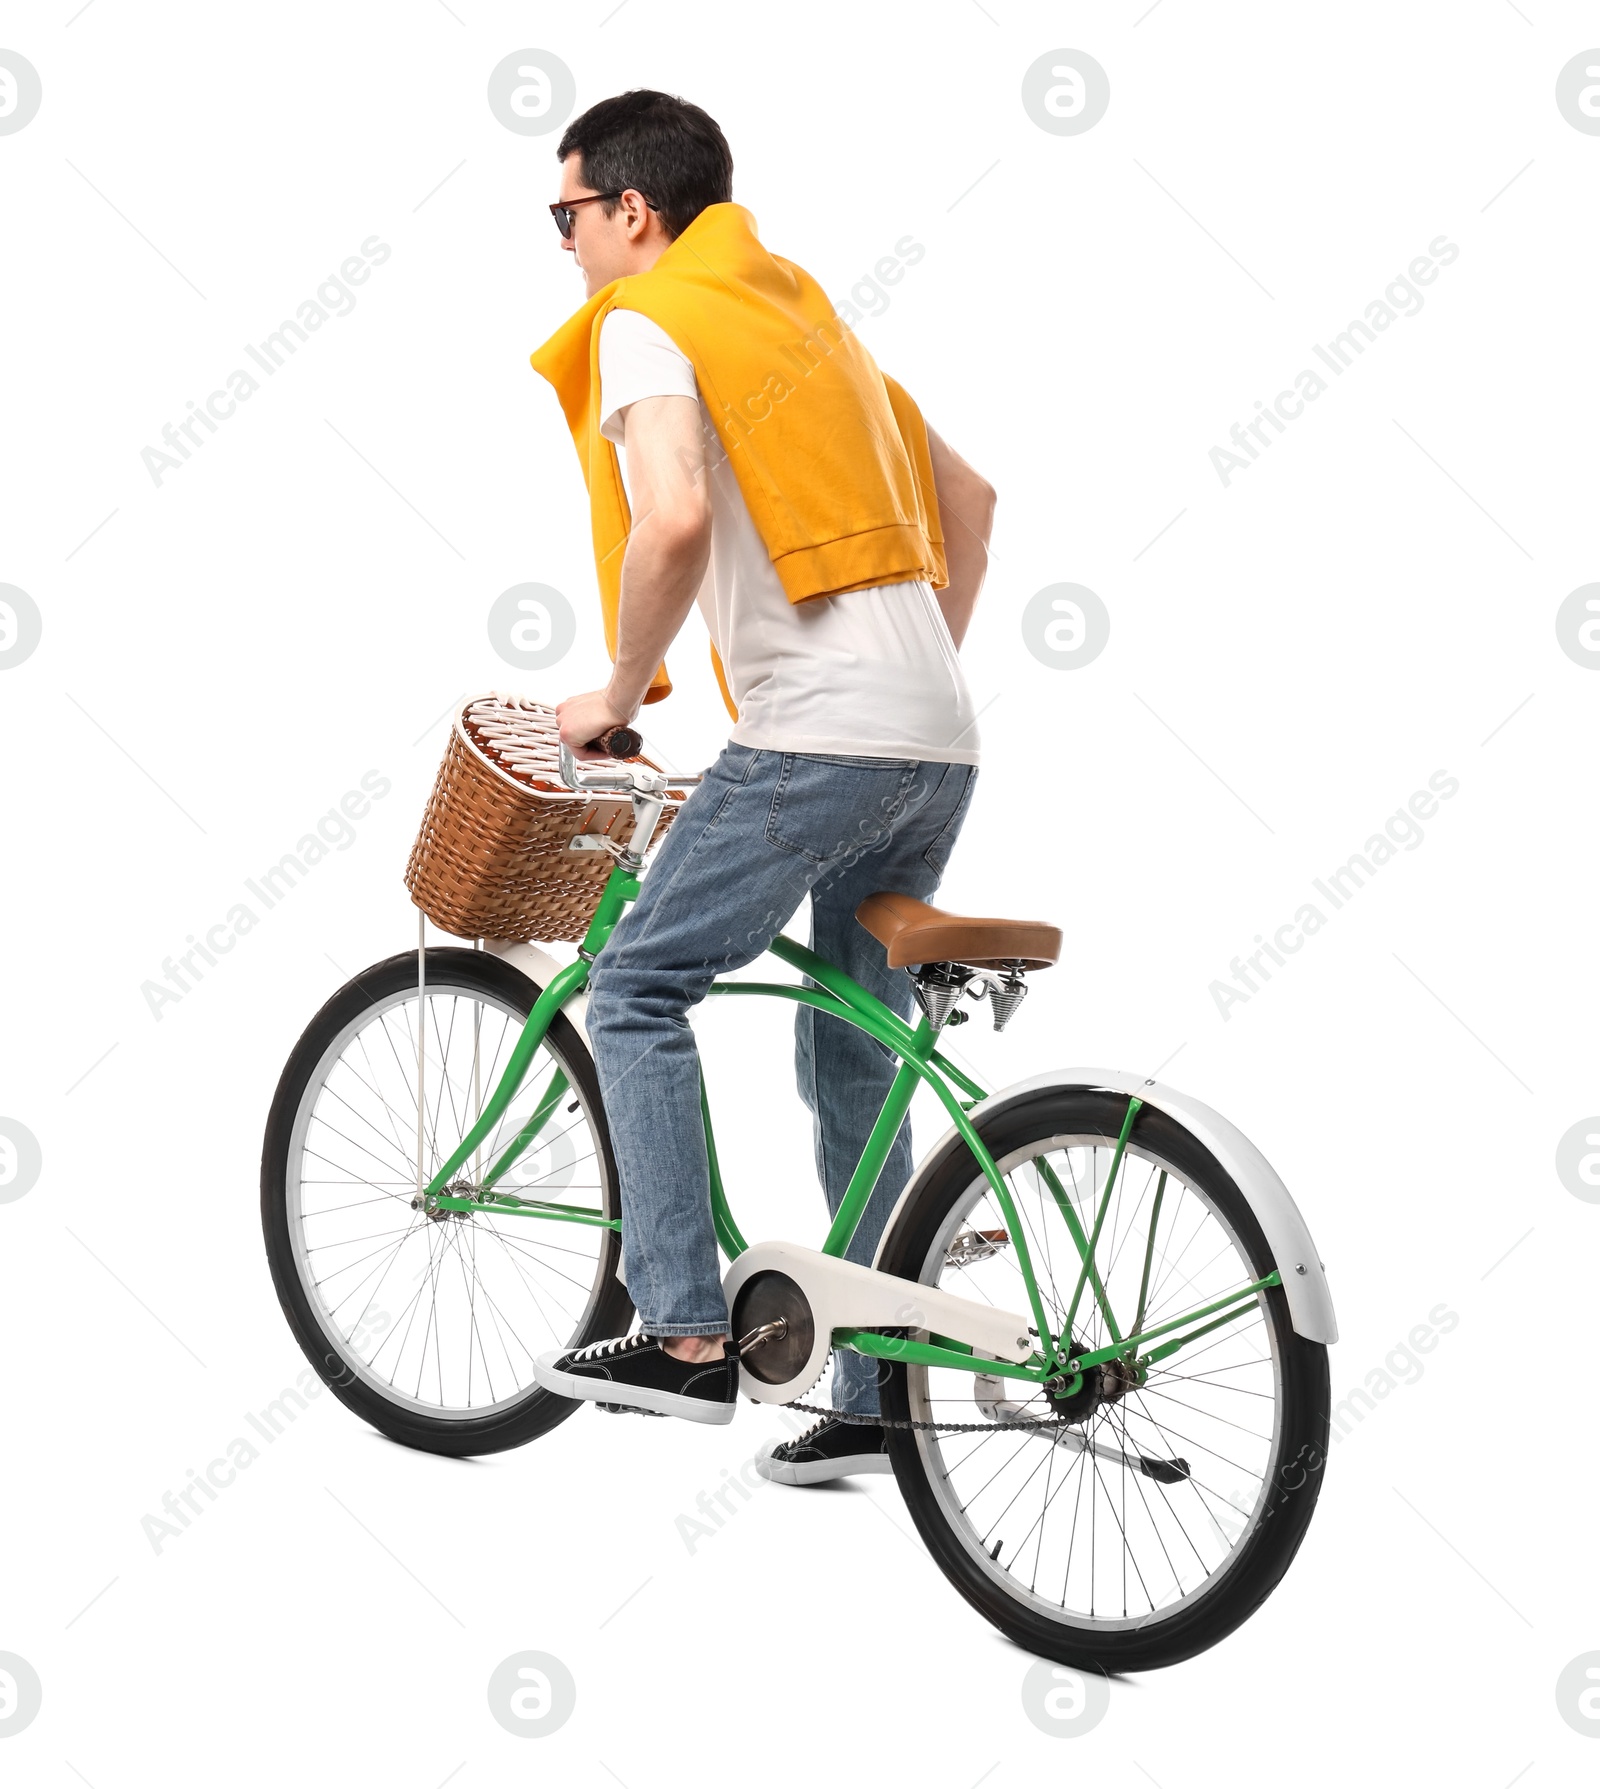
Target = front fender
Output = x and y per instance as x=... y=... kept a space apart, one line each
x=1305 y=1282
x=541 y=969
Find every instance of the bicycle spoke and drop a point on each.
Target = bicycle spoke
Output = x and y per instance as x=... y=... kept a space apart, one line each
x=1076 y=1536
x=453 y=1306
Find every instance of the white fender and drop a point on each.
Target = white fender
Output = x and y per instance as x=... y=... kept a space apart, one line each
x=1305 y=1282
x=542 y=968
x=845 y=1295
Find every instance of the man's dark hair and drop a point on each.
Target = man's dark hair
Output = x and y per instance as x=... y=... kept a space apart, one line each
x=660 y=145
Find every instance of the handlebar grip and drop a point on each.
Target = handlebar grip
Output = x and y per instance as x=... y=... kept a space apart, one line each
x=617 y=742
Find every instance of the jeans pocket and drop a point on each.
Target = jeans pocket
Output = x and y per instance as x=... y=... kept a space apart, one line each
x=825 y=808
x=860 y=763
x=937 y=855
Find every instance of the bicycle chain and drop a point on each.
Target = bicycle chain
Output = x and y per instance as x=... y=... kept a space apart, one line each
x=900 y=1422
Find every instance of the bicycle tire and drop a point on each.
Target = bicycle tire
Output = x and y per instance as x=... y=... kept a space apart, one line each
x=609 y=1310
x=1288 y=1496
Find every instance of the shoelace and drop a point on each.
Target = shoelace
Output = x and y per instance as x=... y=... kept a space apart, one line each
x=629 y=1345
x=618 y=1345
x=805 y=1439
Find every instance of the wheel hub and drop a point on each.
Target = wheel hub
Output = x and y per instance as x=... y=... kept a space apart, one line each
x=1117 y=1378
x=457 y=1189
x=1106 y=1383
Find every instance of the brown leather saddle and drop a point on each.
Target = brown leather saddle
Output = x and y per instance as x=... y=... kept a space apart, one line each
x=913 y=932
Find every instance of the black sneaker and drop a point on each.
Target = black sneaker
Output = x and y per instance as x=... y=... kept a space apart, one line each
x=829 y=1449
x=637 y=1373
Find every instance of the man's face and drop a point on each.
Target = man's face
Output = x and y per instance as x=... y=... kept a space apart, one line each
x=606 y=248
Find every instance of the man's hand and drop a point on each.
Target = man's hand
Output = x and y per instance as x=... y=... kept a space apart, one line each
x=587 y=717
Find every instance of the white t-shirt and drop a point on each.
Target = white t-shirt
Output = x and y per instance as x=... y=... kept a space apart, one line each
x=867 y=673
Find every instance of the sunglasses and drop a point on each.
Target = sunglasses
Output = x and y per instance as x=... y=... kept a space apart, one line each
x=563 y=209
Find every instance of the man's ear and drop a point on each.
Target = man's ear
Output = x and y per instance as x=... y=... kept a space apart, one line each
x=638 y=214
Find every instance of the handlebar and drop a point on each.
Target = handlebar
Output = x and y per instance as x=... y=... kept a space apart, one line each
x=617 y=742
x=617 y=777
x=643 y=784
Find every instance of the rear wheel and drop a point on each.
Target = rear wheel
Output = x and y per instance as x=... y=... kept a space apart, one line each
x=1151 y=1519
x=428 y=1326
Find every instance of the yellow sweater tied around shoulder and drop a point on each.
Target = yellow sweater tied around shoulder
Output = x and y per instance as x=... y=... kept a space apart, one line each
x=831 y=455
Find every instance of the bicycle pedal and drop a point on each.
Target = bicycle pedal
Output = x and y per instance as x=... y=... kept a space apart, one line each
x=628 y=1410
x=968 y=1246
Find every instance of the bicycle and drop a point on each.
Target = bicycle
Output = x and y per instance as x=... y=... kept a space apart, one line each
x=1101 y=1322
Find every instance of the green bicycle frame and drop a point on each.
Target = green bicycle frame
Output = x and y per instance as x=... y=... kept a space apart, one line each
x=831 y=991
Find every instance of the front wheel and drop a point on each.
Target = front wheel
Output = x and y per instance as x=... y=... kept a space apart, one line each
x=1159 y=1508
x=428 y=1326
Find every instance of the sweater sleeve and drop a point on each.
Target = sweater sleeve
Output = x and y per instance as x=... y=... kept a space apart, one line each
x=914 y=434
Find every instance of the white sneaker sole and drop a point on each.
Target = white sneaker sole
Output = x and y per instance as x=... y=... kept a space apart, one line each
x=634 y=1397
x=818 y=1472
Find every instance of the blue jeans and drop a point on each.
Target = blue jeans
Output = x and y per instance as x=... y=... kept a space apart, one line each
x=763 y=830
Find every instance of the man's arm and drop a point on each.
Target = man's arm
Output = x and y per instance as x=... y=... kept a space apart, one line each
x=966 y=518
x=668 y=546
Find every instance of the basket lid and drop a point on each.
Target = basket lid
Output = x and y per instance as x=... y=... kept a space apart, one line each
x=520 y=741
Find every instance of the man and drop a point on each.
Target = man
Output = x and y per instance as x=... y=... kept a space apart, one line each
x=771 y=473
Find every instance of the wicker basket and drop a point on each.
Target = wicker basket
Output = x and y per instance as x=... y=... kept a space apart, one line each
x=492 y=858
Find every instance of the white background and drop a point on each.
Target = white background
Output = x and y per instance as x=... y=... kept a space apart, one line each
x=1294 y=656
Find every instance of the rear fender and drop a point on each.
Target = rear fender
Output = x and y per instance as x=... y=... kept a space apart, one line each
x=1295 y=1255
